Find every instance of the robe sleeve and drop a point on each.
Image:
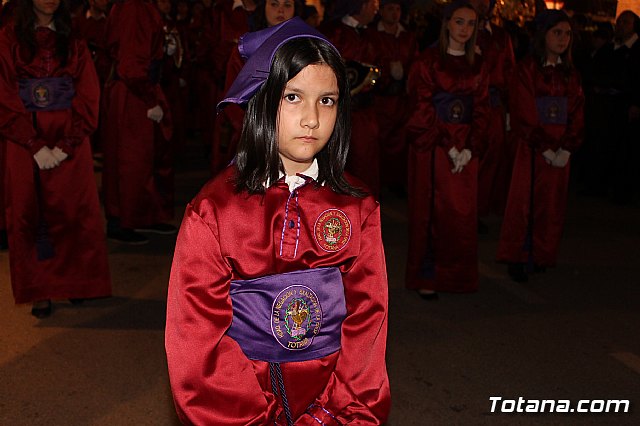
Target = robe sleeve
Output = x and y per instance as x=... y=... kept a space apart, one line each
x=573 y=134
x=212 y=381
x=480 y=119
x=135 y=51
x=85 y=104
x=358 y=390
x=422 y=127
x=16 y=123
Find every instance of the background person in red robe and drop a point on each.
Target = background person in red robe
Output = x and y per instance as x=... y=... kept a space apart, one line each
x=346 y=30
x=496 y=160
x=283 y=208
x=48 y=108
x=134 y=161
x=446 y=132
x=547 y=116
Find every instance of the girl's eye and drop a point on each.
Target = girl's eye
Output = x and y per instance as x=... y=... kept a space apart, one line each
x=291 y=97
x=328 y=101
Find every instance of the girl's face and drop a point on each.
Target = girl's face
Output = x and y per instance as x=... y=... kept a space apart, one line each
x=557 y=39
x=278 y=11
x=306 y=116
x=164 y=6
x=461 y=25
x=44 y=9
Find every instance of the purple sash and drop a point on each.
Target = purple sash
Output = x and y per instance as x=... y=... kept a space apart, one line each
x=295 y=316
x=46 y=94
x=494 y=97
x=552 y=110
x=452 y=108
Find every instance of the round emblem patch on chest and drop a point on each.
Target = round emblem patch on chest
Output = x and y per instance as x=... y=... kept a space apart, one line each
x=456 y=111
x=332 y=230
x=296 y=317
x=40 y=95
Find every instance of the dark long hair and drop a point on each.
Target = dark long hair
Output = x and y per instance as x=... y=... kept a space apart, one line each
x=257 y=159
x=547 y=20
x=25 y=27
x=443 y=41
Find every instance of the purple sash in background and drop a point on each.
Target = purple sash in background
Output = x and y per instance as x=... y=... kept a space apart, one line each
x=46 y=94
x=452 y=108
x=294 y=316
x=552 y=109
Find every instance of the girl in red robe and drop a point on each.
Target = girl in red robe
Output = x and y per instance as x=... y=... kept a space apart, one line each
x=446 y=129
x=277 y=304
x=49 y=95
x=547 y=121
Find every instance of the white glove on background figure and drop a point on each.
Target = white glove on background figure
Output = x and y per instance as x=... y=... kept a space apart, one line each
x=453 y=155
x=562 y=158
x=549 y=156
x=59 y=154
x=463 y=159
x=155 y=113
x=396 y=70
x=45 y=159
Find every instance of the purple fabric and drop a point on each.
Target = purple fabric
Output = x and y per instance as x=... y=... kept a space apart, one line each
x=552 y=110
x=46 y=94
x=295 y=316
x=258 y=49
x=452 y=108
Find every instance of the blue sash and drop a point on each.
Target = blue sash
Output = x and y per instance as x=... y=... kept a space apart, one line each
x=294 y=316
x=453 y=108
x=46 y=94
x=552 y=109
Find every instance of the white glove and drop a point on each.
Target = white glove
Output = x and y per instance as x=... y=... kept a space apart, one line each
x=182 y=82
x=562 y=158
x=453 y=155
x=507 y=122
x=549 y=156
x=45 y=159
x=155 y=113
x=396 y=70
x=59 y=154
x=170 y=46
x=463 y=159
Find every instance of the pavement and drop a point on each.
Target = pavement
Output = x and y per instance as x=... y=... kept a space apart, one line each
x=569 y=334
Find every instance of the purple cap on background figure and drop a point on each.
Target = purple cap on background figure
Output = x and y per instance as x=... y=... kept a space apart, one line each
x=258 y=49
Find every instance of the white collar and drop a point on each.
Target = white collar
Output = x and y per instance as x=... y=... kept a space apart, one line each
x=51 y=26
x=352 y=22
x=629 y=43
x=398 y=32
x=296 y=181
x=454 y=52
x=547 y=63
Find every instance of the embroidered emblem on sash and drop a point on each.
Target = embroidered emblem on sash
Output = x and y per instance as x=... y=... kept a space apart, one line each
x=296 y=317
x=332 y=230
x=41 y=95
x=456 y=111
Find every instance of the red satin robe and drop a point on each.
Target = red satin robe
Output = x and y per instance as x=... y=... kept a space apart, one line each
x=66 y=204
x=494 y=169
x=227 y=236
x=229 y=25
x=550 y=183
x=94 y=31
x=364 y=151
x=132 y=191
x=392 y=108
x=443 y=240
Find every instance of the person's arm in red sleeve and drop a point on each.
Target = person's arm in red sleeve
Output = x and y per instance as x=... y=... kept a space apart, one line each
x=573 y=135
x=523 y=111
x=477 y=141
x=358 y=391
x=422 y=126
x=16 y=124
x=85 y=103
x=134 y=51
x=212 y=381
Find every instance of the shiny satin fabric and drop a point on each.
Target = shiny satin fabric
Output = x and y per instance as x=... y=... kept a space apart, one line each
x=443 y=205
x=551 y=183
x=227 y=236
x=133 y=178
x=67 y=199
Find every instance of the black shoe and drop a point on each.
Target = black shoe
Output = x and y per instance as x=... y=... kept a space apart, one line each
x=483 y=229
x=517 y=272
x=159 y=228
x=428 y=295
x=4 y=241
x=127 y=236
x=42 y=309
